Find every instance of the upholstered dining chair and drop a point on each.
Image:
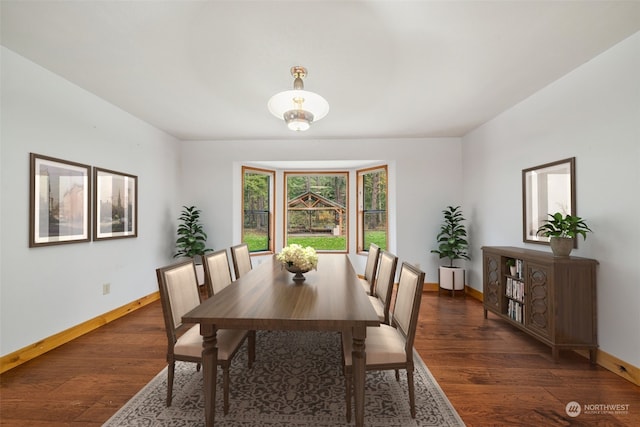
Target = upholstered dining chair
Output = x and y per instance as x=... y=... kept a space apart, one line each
x=217 y=275
x=179 y=294
x=368 y=281
x=217 y=272
x=391 y=346
x=381 y=299
x=241 y=259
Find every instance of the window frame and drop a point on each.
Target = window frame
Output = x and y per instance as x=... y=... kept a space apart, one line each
x=285 y=198
x=360 y=232
x=271 y=206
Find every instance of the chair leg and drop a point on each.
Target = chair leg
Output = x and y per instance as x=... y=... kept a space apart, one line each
x=412 y=397
x=198 y=365
x=397 y=374
x=170 y=370
x=225 y=386
x=251 y=348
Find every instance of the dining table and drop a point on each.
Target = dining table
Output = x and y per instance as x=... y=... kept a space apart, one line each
x=267 y=298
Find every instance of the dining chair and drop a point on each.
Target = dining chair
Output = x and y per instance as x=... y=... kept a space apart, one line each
x=179 y=294
x=381 y=300
x=390 y=346
x=217 y=272
x=241 y=259
x=368 y=281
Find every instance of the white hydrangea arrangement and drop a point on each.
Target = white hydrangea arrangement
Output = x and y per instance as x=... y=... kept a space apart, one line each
x=300 y=257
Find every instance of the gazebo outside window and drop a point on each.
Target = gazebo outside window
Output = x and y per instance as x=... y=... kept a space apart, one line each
x=316 y=210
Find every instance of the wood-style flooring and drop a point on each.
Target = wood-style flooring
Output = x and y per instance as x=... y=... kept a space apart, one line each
x=493 y=374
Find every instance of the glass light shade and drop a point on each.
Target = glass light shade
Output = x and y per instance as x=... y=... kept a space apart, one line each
x=298 y=120
x=299 y=125
x=285 y=101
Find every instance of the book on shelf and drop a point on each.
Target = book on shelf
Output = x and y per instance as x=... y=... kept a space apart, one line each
x=514 y=289
x=515 y=311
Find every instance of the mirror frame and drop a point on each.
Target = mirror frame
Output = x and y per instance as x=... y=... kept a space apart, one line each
x=535 y=197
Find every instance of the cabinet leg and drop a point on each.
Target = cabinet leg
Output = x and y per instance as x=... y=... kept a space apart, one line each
x=593 y=355
x=485 y=313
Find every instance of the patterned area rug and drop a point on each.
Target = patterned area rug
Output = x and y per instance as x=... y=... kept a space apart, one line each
x=296 y=381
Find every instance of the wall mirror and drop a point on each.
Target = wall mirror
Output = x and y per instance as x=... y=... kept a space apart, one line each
x=546 y=189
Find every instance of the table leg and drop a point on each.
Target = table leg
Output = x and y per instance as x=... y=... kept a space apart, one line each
x=209 y=371
x=359 y=372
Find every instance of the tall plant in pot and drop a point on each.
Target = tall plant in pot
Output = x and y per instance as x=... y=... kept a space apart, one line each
x=562 y=231
x=453 y=245
x=191 y=242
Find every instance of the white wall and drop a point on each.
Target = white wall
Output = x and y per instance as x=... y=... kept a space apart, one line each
x=593 y=114
x=46 y=290
x=422 y=183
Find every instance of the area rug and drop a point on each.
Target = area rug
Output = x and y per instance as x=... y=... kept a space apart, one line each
x=296 y=381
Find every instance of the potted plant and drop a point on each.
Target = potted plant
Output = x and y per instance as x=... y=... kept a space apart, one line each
x=452 y=244
x=511 y=263
x=192 y=239
x=562 y=232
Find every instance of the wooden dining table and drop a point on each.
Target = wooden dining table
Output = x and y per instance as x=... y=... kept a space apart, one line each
x=267 y=298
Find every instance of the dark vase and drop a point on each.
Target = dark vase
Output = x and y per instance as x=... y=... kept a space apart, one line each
x=299 y=273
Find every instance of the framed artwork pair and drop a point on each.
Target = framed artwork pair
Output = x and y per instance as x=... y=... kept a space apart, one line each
x=61 y=202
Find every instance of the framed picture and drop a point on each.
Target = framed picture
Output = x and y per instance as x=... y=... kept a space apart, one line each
x=547 y=189
x=115 y=204
x=58 y=201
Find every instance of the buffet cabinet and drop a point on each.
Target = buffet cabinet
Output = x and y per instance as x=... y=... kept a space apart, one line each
x=553 y=299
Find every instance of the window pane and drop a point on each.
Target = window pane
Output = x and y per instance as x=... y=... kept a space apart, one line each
x=317 y=212
x=256 y=203
x=373 y=221
x=374 y=233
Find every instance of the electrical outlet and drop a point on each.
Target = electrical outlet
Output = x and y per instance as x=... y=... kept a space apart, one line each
x=106 y=288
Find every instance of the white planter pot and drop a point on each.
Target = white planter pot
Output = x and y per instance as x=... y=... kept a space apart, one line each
x=451 y=278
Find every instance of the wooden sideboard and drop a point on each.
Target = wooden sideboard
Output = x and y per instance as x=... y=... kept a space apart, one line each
x=553 y=299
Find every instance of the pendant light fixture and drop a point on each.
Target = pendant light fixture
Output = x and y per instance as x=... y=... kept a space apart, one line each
x=298 y=107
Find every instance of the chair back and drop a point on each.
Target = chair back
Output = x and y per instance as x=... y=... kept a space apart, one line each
x=217 y=272
x=241 y=260
x=178 y=285
x=372 y=263
x=384 y=282
x=407 y=306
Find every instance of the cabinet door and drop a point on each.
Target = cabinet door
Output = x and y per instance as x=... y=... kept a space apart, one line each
x=539 y=300
x=492 y=288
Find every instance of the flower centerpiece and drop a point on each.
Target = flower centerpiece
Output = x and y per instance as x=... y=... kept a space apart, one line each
x=298 y=259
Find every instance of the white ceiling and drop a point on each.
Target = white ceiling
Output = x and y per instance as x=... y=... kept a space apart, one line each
x=204 y=70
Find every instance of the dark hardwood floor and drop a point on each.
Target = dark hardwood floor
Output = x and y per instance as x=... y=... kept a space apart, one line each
x=493 y=374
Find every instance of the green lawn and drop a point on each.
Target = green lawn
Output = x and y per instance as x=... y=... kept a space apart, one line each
x=258 y=242
x=321 y=243
x=377 y=237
